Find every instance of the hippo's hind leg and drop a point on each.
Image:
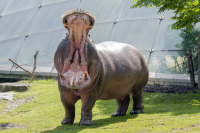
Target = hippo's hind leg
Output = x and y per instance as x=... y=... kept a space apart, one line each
x=137 y=102
x=122 y=106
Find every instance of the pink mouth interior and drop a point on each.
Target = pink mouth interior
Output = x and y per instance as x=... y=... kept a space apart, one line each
x=76 y=77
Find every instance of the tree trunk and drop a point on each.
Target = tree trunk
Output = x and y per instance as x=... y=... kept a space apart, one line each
x=198 y=42
x=190 y=67
x=33 y=73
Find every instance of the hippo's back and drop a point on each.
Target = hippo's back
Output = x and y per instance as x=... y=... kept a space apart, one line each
x=122 y=66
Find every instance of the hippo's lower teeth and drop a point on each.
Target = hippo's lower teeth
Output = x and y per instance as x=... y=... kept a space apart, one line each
x=72 y=80
x=76 y=79
x=85 y=75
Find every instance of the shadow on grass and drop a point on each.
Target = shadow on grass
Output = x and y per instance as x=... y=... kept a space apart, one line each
x=176 y=104
x=97 y=123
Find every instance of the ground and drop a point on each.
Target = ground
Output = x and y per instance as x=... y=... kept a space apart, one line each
x=175 y=89
x=166 y=109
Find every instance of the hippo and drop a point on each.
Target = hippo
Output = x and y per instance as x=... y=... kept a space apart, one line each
x=108 y=70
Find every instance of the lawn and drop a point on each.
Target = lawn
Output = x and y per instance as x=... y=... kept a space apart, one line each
x=43 y=112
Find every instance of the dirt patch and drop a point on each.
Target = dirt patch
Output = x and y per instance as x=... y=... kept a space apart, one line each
x=184 y=129
x=9 y=126
x=170 y=89
x=11 y=105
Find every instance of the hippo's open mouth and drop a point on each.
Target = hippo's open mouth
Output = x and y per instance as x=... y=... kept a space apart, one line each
x=75 y=73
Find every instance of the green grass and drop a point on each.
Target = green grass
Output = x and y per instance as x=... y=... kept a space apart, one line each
x=162 y=113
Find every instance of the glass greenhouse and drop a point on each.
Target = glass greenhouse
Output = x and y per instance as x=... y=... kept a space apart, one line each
x=30 y=25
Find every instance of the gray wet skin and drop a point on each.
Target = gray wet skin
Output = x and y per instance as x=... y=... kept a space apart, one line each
x=114 y=70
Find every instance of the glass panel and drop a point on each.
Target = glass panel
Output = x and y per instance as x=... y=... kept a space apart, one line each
x=168 y=62
x=197 y=26
x=46 y=43
x=54 y=72
x=100 y=32
x=139 y=33
x=46 y=64
x=52 y=15
x=5 y=69
x=104 y=10
x=3 y=5
x=49 y=63
x=127 y=13
x=10 y=49
x=45 y=2
x=167 y=39
x=42 y=71
x=19 y=5
x=145 y=54
x=169 y=13
x=17 y=23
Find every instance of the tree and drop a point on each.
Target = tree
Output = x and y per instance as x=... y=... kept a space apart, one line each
x=186 y=15
x=187 y=12
x=189 y=42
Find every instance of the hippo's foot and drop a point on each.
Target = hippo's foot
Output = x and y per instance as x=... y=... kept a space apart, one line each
x=86 y=123
x=136 y=111
x=67 y=121
x=118 y=114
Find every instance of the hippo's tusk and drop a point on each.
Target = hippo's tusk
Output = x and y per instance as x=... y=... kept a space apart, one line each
x=72 y=80
x=85 y=75
x=61 y=76
x=76 y=80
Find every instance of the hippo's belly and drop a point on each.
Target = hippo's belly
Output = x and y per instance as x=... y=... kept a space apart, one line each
x=122 y=68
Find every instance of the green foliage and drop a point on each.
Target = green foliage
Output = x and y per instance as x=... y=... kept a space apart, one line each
x=189 y=39
x=189 y=42
x=162 y=113
x=187 y=12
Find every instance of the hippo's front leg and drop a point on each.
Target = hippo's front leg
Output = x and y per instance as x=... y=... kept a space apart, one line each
x=68 y=100
x=88 y=101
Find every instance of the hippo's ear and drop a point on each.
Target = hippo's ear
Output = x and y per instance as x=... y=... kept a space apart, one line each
x=73 y=11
